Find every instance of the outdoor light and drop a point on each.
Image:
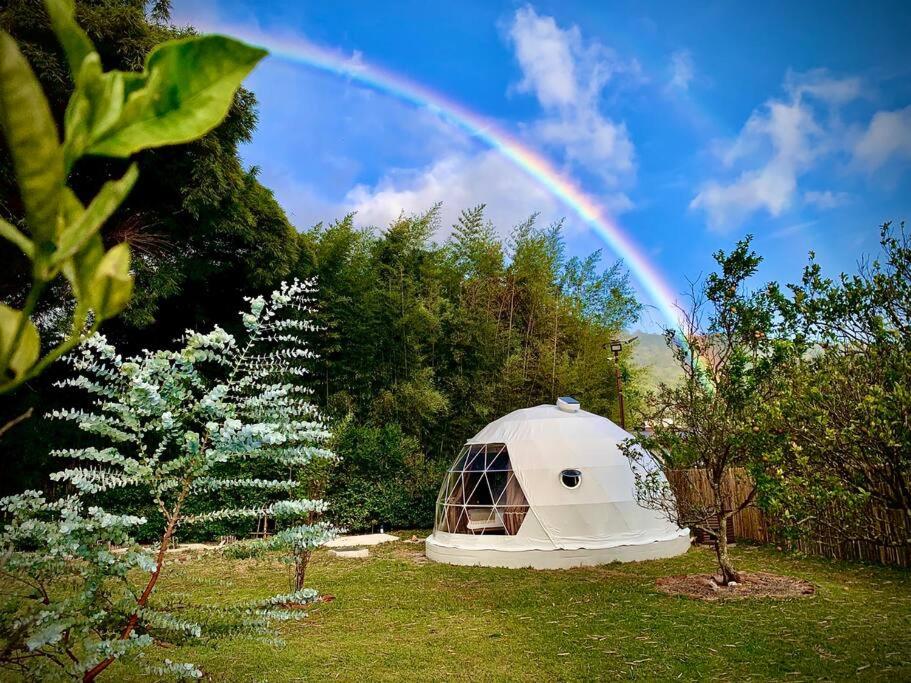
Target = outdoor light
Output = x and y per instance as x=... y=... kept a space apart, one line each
x=617 y=346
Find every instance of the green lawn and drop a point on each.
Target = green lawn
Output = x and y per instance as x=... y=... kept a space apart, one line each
x=397 y=616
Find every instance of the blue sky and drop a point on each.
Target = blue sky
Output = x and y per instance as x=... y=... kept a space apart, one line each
x=692 y=124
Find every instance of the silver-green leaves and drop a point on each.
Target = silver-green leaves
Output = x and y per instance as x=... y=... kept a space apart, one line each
x=184 y=91
x=192 y=428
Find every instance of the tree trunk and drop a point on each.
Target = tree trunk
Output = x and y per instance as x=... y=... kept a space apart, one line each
x=16 y=420
x=92 y=673
x=301 y=560
x=512 y=307
x=728 y=573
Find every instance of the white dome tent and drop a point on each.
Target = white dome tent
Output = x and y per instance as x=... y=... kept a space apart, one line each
x=547 y=487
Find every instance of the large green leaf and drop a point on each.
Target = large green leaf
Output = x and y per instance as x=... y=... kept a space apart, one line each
x=22 y=352
x=80 y=269
x=76 y=44
x=96 y=106
x=89 y=221
x=101 y=280
x=112 y=283
x=70 y=207
x=31 y=137
x=188 y=88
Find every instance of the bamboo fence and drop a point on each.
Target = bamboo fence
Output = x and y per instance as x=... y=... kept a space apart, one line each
x=751 y=524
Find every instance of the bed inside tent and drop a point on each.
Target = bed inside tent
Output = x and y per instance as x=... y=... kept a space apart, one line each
x=481 y=494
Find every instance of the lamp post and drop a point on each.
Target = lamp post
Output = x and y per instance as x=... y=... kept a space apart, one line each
x=617 y=346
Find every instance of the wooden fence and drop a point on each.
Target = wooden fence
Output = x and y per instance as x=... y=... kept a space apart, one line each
x=691 y=487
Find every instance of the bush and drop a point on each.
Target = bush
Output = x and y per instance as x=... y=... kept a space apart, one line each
x=382 y=478
x=220 y=418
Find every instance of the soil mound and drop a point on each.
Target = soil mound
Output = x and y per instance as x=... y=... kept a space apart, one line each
x=752 y=585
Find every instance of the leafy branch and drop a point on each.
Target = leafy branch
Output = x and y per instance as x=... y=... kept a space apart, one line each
x=183 y=92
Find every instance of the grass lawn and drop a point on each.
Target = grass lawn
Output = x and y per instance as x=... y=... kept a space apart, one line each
x=397 y=616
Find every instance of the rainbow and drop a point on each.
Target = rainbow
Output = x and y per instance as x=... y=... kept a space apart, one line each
x=301 y=51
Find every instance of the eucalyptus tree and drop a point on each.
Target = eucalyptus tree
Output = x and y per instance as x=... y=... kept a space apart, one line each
x=184 y=427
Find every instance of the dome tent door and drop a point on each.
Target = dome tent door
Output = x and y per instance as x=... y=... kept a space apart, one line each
x=480 y=494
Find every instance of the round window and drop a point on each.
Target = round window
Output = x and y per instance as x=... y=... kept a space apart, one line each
x=571 y=478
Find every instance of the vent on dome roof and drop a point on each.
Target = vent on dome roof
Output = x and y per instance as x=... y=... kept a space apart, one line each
x=568 y=404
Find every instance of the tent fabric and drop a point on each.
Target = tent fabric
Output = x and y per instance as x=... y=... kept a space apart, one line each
x=516 y=505
x=601 y=513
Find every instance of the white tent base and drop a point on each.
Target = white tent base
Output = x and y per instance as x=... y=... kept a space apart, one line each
x=555 y=559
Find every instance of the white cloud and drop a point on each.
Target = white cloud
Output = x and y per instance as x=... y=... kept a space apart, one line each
x=356 y=61
x=461 y=180
x=727 y=206
x=460 y=176
x=788 y=129
x=826 y=199
x=568 y=75
x=887 y=136
x=819 y=84
x=593 y=143
x=778 y=144
x=682 y=70
x=546 y=55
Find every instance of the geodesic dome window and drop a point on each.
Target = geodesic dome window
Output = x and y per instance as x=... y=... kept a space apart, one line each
x=480 y=494
x=571 y=478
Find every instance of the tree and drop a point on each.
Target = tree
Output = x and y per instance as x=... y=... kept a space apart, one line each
x=113 y=114
x=846 y=467
x=218 y=415
x=298 y=541
x=735 y=371
x=202 y=230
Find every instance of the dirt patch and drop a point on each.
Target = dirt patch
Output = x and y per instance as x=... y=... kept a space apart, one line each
x=417 y=557
x=752 y=585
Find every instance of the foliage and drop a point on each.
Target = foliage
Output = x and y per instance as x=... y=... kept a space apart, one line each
x=43 y=624
x=735 y=372
x=426 y=343
x=220 y=414
x=184 y=90
x=846 y=466
x=439 y=339
x=381 y=478
x=298 y=535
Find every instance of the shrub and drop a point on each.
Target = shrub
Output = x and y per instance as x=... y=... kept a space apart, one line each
x=218 y=415
x=381 y=478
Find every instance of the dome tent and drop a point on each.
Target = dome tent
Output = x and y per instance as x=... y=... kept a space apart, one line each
x=547 y=487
